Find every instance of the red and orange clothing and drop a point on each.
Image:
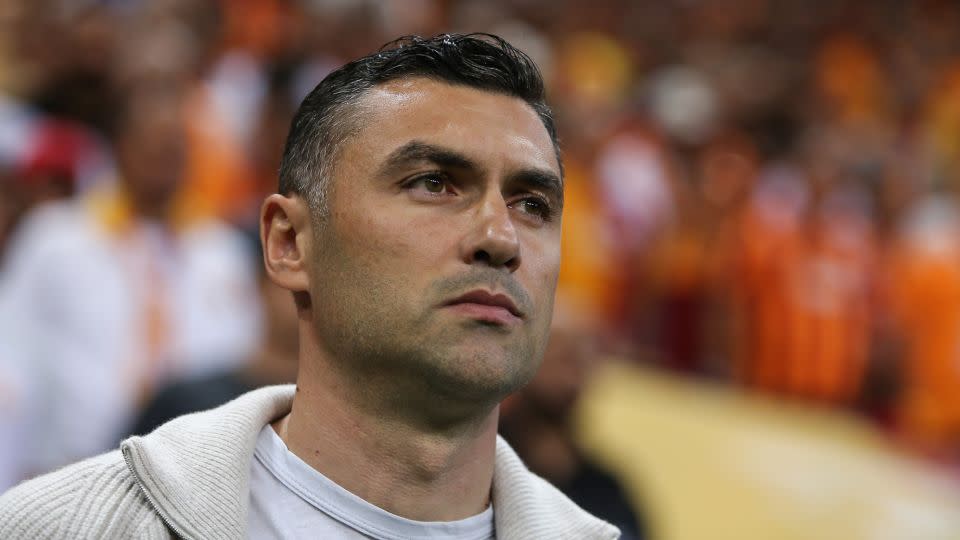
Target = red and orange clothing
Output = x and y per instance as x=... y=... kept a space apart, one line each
x=803 y=301
x=923 y=293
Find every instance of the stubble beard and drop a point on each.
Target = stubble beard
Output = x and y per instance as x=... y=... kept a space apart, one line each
x=427 y=365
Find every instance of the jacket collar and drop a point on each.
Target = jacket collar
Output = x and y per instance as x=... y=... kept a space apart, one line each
x=195 y=470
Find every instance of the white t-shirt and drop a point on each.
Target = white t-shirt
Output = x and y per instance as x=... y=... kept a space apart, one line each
x=290 y=499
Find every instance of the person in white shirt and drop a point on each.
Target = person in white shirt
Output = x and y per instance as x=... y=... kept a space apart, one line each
x=105 y=296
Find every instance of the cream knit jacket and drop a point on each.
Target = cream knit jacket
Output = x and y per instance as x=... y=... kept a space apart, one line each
x=190 y=479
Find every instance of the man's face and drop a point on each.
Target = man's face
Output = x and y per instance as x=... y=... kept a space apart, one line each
x=438 y=258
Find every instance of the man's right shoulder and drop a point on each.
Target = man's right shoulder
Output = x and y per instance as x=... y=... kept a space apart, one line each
x=94 y=498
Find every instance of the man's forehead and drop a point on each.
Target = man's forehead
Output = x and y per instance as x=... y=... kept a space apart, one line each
x=425 y=109
x=424 y=97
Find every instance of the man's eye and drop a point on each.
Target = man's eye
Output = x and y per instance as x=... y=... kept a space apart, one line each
x=535 y=206
x=435 y=184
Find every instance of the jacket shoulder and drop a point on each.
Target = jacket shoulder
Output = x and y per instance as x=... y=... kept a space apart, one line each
x=94 y=498
x=527 y=506
x=559 y=509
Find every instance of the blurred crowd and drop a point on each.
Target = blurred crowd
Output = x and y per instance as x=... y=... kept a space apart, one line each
x=761 y=192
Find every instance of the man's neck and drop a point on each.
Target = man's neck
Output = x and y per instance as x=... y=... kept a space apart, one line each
x=398 y=466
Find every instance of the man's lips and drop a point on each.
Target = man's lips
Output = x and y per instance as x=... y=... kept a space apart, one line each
x=488 y=306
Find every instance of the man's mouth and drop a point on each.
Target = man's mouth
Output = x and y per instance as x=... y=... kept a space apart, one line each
x=488 y=307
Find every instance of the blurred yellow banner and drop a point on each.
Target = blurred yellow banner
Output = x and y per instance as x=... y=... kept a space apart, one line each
x=705 y=461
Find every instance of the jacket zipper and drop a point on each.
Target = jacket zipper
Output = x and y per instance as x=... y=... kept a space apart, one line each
x=177 y=530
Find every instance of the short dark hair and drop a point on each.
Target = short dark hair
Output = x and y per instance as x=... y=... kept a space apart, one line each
x=326 y=117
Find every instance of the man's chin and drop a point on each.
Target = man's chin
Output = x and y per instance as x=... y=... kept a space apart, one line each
x=481 y=373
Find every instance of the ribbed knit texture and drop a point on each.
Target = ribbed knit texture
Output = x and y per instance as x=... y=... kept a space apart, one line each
x=96 y=498
x=527 y=506
x=193 y=474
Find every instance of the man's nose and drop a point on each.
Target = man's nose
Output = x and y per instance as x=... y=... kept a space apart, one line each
x=493 y=238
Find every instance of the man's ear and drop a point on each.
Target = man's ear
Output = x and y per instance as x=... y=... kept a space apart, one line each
x=286 y=237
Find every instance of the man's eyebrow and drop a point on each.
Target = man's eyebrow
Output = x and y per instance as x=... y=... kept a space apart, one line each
x=415 y=151
x=418 y=151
